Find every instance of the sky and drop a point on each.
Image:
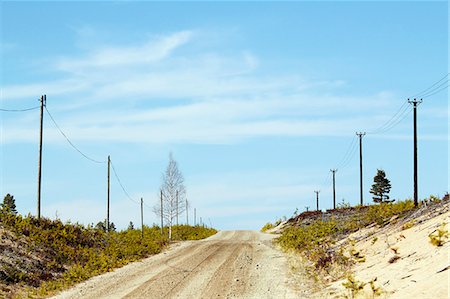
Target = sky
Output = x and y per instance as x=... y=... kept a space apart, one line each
x=257 y=101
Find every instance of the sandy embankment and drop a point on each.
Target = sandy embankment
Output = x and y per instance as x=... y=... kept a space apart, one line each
x=403 y=261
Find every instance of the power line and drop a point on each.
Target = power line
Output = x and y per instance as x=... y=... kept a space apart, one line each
x=20 y=110
x=406 y=111
x=436 y=91
x=398 y=114
x=121 y=185
x=348 y=154
x=70 y=142
x=421 y=94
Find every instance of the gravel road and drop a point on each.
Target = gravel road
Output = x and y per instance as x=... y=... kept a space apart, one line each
x=230 y=264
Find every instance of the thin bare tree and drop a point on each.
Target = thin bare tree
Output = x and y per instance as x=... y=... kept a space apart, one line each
x=173 y=194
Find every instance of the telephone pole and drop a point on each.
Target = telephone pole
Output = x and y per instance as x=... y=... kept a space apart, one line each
x=360 y=135
x=415 y=102
x=195 y=216
x=43 y=101
x=334 y=187
x=177 y=207
x=142 y=217
x=187 y=212
x=107 y=200
x=317 y=199
x=162 y=222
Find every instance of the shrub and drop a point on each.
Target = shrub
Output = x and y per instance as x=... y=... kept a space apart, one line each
x=267 y=226
x=439 y=237
x=74 y=253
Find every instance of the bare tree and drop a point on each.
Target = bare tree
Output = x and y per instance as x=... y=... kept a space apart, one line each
x=173 y=194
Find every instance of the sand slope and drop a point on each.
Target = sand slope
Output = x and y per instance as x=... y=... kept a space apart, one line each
x=402 y=260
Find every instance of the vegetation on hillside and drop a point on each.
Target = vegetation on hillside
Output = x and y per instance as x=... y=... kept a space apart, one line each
x=41 y=256
x=316 y=239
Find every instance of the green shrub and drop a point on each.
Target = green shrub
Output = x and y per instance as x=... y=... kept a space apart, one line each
x=75 y=253
x=439 y=237
x=267 y=226
x=315 y=239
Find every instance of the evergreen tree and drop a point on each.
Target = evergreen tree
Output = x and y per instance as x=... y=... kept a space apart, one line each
x=381 y=187
x=101 y=225
x=131 y=225
x=9 y=204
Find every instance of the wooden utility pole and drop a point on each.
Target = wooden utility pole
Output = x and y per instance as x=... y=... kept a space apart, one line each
x=317 y=199
x=162 y=222
x=187 y=212
x=177 y=207
x=334 y=187
x=195 y=216
x=416 y=195
x=43 y=101
x=142 y=217
x=360 y=135
x=108 y=193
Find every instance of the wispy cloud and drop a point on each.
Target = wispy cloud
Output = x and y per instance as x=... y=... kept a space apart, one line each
x=153 y=94
x=150 y=52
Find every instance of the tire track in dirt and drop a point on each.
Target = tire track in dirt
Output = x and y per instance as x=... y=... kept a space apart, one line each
x=235 y=264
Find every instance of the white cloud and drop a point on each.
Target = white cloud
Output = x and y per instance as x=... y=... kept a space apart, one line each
x=202 y=98
x=150 y=52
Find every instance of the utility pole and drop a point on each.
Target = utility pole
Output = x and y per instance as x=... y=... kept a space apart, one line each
x=177 y=207
x=187 y=212
x=162 y=223
x=107 y=200
x=334 y=187
x=195 y=216
x=317 y=199
x=360 y=135
x=415 y=102
x=43 y=101
x=142 y=217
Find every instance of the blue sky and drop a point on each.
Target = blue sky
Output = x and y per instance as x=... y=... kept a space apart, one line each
x=256 y=100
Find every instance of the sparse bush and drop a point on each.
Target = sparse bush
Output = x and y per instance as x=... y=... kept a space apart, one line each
x=408 y=225
x=315 y=240
x=74 y=253
x=353 y=285
x=267 y=226
x=439 y=237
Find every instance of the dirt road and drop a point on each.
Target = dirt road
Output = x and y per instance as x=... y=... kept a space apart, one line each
x=230 y=264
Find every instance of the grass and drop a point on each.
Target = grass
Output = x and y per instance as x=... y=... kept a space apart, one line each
x=70 y=253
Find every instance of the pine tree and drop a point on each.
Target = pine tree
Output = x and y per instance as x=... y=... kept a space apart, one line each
x=9 y=204
x=381 y=187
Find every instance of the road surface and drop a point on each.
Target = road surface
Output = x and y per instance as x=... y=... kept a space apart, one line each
x=230 y=264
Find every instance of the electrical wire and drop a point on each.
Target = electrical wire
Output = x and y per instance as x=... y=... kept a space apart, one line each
x=348 y=153
x=403 y=111
x=70 y=142
x=420 y=94
x=350 y=157
x=436 y=91
x=121 y=185
x=19 y=110
x=398 y=114
x=393 y=122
